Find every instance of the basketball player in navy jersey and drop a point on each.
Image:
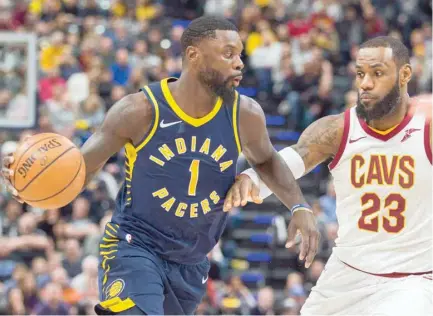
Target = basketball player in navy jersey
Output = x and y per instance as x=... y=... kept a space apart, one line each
x=182 y=138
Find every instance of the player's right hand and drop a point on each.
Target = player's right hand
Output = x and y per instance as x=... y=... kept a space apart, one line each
x=242 y=191
x=7 y=174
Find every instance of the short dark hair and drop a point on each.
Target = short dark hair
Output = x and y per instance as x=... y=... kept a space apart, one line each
x=400 y=53
x=204 y=27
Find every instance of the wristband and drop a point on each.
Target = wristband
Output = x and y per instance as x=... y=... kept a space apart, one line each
x=299 y=207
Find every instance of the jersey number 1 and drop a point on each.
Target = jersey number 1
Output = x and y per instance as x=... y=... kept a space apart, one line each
x=193 y=169
x=394 y=203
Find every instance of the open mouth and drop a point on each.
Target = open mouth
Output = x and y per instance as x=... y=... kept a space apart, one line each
x=237 y=80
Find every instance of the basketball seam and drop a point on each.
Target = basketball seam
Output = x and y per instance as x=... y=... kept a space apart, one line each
x=72 y=180
x=37 y=175
x=30 y=147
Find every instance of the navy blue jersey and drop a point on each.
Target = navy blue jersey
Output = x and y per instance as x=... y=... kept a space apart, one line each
x=177 y=178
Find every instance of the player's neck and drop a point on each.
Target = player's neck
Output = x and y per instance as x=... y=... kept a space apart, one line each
x=394 y=118
x=192 y=97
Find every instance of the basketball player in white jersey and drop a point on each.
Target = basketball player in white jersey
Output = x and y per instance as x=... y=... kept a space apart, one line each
x=381 y=166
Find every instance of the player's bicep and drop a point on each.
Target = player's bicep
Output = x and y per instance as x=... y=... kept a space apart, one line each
x=255 y=142
x=124 y=121
x=320 y=141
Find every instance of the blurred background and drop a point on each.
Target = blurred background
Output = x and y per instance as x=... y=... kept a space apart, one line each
x=84 y=55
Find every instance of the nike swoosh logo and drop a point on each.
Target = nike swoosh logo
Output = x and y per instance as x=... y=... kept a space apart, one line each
x=164 y=125
x=203 y=281
x=355 y=140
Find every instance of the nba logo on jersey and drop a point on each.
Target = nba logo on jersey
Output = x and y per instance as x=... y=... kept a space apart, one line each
x=128 y=238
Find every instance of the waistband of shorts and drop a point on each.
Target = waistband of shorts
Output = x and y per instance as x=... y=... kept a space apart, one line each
x=390 y=275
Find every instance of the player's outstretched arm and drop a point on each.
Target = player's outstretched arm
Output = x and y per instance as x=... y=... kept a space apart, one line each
x=319 y=142
x=127 y=121
x=272 y=169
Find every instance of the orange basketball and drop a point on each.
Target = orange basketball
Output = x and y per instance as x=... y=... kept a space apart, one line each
x=49 y=171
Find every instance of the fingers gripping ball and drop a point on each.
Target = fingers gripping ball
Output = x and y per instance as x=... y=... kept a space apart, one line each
x=49 y=171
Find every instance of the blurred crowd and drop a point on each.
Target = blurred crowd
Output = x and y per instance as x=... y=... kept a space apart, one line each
x=299 y=57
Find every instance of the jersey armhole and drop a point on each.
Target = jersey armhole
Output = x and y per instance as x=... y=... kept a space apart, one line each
x=343 y=142
x=427 y=140
x=236 y=122
x=154 y=124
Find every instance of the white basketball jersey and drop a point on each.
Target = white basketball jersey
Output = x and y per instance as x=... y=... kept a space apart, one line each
x=383 y=183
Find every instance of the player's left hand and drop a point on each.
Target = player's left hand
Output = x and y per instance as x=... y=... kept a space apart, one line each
x=242 y=191
x=304 y=222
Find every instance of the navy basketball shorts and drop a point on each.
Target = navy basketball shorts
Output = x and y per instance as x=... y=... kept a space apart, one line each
x=133 y=280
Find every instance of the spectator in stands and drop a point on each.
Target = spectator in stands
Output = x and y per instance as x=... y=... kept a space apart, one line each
x=9 y=218
x=47 y=84
x=12 y=291
x=40 y=270
x=290 y=307
x=86 y=282
x=25 y=296
x=92 y=111
x=295 y=289
x=68 y=63
x=53 y=303
x=141 y=58
x=265 y=302
x=263 y=60
x=350 y=99
x=69 y=295
x=62 y=112
x=80 y=226
x=91 y=244
x=29 y=242
x=121 y=69
x=73 y=257
x=51 y=55
x=328 y=203
x=313 y=274
x=237 y=289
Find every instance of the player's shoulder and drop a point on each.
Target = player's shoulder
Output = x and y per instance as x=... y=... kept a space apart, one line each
x=134 y=106
x=250 y=111
x=130 y=115
x=326 y=132
x=331 y=125
x=247 y=104
x=335 y=120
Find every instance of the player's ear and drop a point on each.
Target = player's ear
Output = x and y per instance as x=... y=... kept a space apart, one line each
x=192 y=54
x=405 y=74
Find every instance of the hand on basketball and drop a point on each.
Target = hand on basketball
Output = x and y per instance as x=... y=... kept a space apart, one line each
x=305 y=223
x=242 y=191
x=7 y=174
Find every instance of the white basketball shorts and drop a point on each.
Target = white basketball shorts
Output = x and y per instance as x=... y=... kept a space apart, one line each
x=342 y=290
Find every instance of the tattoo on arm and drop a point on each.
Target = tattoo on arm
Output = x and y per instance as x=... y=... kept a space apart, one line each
x=320 y=140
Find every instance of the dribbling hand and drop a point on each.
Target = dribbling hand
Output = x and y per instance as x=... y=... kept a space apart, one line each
x=7 y=174
x=242 y=191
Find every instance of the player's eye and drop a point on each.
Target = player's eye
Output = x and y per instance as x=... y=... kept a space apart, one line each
x=360 y=74
x=228 y=54
x=378 y=73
